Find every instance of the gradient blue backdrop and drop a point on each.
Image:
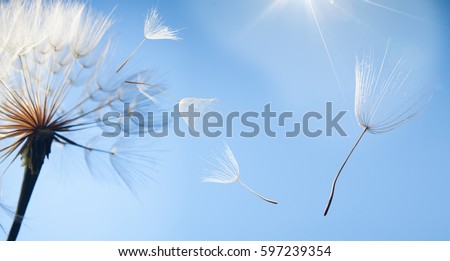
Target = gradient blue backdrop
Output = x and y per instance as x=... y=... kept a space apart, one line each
x=247 y=54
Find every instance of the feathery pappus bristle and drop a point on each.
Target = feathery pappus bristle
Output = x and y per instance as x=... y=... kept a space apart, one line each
x=386 y=96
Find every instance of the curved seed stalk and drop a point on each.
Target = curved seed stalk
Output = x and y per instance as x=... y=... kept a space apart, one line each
x=333 y=187
x=257 y=194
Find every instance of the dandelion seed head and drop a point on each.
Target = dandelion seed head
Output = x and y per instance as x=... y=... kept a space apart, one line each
x=55 y=81
x=155 y=30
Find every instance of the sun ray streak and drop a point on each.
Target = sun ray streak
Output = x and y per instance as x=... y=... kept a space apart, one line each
x=325 y=45
x=402 y=13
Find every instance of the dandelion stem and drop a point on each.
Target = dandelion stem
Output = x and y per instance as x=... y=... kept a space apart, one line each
x=29 y=180
x=257 y=194
x=129 y=56
x=34 y=152
x=340 y=170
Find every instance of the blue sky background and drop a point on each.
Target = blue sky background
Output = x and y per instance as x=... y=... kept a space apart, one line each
x=395 y=186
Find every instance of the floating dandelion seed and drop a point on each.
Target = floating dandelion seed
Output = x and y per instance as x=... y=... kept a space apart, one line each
x=153 y=30
x=227 y=171
x=383 y=100
x=52 y=86
x=196 y=105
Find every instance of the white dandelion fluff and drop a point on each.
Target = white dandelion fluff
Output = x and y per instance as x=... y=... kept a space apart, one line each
x=385 y=98
x=154 y=29
x=55 y=83
x=227 y=171
x=196 y=105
